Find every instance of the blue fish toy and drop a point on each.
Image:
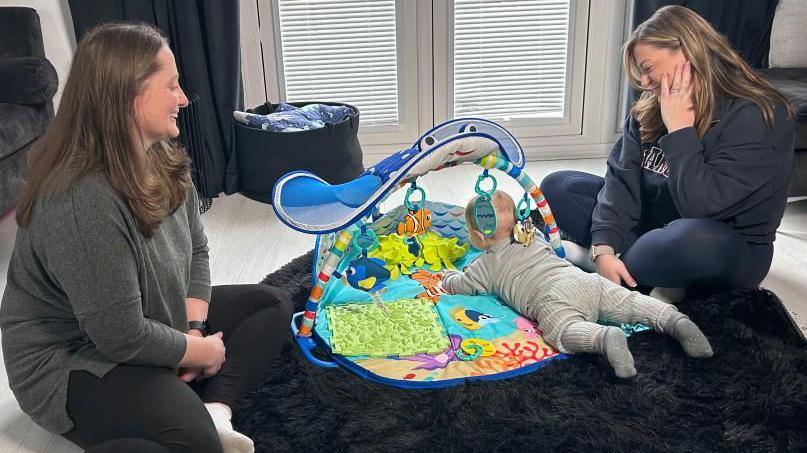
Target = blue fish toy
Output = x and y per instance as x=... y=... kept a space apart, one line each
x=367 y=274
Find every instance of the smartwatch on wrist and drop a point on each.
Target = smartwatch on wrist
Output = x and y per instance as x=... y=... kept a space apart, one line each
x=600 y=249
x=201 y=326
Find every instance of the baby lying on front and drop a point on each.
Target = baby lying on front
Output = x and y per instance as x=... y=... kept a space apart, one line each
x=564 y=300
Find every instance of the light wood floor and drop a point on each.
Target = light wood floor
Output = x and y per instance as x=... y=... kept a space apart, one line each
x=247 y=242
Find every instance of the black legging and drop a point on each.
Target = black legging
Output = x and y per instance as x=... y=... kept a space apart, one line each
x=144 y=408
x=683 y=253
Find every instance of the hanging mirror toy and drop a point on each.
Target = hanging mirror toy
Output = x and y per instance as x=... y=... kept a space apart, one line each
x=484 y=211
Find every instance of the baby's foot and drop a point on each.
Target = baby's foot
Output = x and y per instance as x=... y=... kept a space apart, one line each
x=690 y=336
x=615 y=347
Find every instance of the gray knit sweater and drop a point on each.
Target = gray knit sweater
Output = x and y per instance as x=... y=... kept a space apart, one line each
x=86 y=291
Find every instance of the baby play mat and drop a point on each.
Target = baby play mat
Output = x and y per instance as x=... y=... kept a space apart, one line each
x=377 y=304
x=419 y=336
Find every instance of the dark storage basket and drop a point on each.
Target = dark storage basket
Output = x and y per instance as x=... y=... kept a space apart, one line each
x=332 y=152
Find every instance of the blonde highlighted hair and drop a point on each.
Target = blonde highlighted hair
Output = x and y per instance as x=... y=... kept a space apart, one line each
x=95 y=129
x=717 y=70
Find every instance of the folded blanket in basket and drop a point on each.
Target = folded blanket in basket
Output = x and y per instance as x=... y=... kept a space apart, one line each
x=288 y=118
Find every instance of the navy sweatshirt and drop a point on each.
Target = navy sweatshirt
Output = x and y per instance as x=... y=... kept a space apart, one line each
x=738 y=173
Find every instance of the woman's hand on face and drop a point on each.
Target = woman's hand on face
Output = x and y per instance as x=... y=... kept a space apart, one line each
x=613 y=268
x=675 y=99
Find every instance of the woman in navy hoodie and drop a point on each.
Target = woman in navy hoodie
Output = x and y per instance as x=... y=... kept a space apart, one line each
x=697 y=185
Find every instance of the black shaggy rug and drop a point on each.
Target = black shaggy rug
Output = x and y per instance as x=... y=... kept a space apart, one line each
x=751 y=396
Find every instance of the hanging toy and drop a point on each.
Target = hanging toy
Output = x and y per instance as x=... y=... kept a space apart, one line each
x=367 y=274
x=417 y=220
x=524 y=231
x=484 y=211
x=415 y=223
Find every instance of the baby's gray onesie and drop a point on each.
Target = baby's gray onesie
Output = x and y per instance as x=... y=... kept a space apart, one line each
x=550 y=290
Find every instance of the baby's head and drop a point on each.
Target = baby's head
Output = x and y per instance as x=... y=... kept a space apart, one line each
x=505 y=220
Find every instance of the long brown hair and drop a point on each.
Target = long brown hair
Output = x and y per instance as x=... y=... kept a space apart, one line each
x=717 y=69
x=94 y=130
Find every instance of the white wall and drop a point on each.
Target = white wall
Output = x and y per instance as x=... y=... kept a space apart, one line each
x=57 y=33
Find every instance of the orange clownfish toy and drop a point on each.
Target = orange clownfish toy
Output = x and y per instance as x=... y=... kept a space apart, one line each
x=415 y=223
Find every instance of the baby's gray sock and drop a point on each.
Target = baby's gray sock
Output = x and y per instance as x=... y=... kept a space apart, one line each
x=615 y=347
x=584 y=336
x=689 y=335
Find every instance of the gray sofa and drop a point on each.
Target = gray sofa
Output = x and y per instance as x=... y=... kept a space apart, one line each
x=792 y=82
x=27 y=84
x=788 y=72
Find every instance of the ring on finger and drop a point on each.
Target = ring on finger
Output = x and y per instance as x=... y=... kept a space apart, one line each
x=674 y=90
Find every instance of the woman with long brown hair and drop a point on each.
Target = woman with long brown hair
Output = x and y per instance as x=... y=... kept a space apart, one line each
x=697 y=184
x=108 y=313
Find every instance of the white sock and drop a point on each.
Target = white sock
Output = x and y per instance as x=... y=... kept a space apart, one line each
x=579 y=256
x=231 y=440
x=668 y=295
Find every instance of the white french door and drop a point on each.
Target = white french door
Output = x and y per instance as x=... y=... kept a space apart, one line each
x=410 y=64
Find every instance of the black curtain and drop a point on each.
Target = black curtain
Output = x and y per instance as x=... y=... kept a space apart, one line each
x=205 y=39
x=746 y=23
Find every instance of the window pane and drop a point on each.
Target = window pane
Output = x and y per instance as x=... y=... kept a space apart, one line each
x=343 y=51
x=510 y=58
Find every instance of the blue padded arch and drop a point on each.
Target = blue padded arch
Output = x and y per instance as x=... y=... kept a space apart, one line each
x=307 y=203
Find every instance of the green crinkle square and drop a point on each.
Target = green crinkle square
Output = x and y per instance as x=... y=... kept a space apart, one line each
x=413 y=327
